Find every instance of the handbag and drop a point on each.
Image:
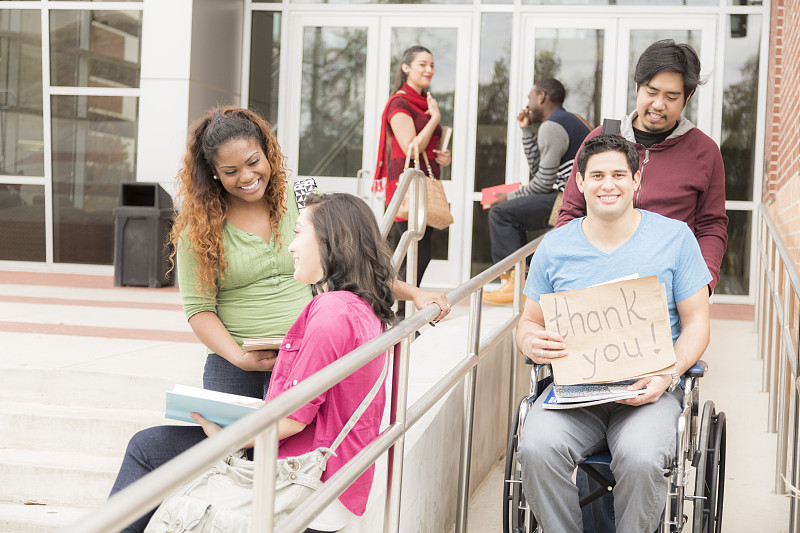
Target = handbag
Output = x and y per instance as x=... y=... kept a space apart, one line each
x=219 y=500
x=438 y=209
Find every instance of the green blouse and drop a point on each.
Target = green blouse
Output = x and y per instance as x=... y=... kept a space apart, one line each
x=259 y=296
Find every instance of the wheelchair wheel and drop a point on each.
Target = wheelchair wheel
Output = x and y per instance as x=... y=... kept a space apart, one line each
x=517 y=518
x=710 y=476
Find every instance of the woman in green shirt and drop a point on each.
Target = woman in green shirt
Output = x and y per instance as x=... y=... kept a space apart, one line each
x=231 y=235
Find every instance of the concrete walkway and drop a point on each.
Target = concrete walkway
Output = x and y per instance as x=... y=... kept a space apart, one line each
x=734 y=384
x=69 y=397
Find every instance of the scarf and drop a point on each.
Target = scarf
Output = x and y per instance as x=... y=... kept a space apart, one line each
x=416 y=100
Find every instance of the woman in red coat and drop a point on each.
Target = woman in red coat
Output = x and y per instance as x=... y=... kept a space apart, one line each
x=411 y=113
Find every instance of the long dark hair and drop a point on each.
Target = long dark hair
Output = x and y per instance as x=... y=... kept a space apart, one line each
x=354 y=256
x=406 y=59
x=203 y=205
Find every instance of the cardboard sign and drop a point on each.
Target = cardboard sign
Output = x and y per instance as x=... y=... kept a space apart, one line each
x=613 y=332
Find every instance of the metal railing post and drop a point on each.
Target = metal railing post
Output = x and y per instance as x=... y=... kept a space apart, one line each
x=394 y=478
x=264 y=473
x=470 y=381
x=519 y=282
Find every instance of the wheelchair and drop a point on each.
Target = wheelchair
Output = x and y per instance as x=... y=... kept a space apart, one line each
x=700 y=453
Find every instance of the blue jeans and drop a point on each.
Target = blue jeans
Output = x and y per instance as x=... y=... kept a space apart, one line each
x=509 y=222
x=222 y=376
x=149 y=449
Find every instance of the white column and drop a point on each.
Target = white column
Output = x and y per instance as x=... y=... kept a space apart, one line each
x=165 y=81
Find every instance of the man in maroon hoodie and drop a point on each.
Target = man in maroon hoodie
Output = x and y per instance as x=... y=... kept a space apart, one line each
x=682 y=177
x=682 y=173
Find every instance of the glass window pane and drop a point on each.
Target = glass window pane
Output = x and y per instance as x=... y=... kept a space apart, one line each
x=443 y=44
x=481 y=244
x=493 y=84
x=22 y=220
x=94 y=149
x=21 y=119
x=332 y=101
x=739 y=105
x=734 y=276
x=490 y=145
x=575 y=58
x=640 y=40
x=265 y=60
x=95 y=48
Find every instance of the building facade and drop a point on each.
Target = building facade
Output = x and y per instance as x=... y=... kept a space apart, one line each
x=94 y=93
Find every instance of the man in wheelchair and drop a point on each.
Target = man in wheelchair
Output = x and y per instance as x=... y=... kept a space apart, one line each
x=613 y=240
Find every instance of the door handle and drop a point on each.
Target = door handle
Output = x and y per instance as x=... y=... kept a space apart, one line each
x=359 y=180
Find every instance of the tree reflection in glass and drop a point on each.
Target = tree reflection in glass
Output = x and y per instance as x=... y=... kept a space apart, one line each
x=575 y=58
x=332 y=101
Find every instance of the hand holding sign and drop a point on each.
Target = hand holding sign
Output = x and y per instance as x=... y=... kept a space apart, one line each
x=613 y=332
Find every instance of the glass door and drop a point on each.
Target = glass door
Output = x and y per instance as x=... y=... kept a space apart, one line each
x=595 y=60
x=699 y=33
x=580 y=53
x=336 y=94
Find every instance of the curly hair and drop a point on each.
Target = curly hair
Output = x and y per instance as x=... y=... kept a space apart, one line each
x=203 y=205
x=354 y=256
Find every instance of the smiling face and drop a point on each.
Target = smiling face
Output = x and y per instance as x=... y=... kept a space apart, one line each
x=243 y=170
x=420 y=72
x=305 y=250
x=608 y=185
x=660 y=102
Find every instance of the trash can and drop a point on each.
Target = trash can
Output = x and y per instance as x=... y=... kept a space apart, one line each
x=142 y=223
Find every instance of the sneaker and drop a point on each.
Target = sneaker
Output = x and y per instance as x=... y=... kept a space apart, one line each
x=503 y=295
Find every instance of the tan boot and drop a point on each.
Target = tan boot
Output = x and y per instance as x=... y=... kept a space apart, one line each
x=503 y=295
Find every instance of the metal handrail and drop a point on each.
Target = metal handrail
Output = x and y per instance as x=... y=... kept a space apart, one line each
x=777 y=300
x=130 y=503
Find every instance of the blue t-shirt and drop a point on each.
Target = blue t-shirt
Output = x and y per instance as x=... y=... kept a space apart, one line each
x=667 y=248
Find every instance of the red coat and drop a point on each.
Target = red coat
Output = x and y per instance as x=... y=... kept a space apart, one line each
x=682 y=178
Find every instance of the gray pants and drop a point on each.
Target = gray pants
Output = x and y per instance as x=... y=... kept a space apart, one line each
x=642 y=445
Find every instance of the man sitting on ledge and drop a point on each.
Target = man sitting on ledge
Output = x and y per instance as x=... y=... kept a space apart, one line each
x=613 y=240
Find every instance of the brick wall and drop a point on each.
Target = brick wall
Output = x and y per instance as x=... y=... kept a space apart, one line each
x=781 y=191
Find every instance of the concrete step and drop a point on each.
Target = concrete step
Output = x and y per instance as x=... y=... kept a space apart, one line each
x=71 y=429
x=16 y=517
x=56 y=477
x=91 y=389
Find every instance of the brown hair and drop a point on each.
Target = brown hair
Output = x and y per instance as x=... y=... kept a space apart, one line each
x=406 y=59
x=203 y=206
x=353 y=254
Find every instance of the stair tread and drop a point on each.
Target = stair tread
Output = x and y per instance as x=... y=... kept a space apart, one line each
x=40 y=514
x=79 y=411
x=64 y=460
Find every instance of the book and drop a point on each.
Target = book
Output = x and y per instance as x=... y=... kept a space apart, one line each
x=445 y=140
x=218 y=407
x=487 y=194
x=574 y=396
x=261 y=343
